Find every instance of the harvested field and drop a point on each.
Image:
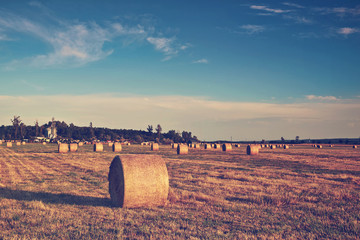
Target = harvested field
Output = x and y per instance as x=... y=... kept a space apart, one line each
x=298 y=193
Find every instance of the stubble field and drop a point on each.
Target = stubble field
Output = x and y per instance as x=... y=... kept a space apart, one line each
x=296 y=193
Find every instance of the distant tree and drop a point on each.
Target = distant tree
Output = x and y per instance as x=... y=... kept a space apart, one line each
x=158 y=131
x=282 y=139
x=138 y=139
x=22 y=130
x=297 y=139
x=150 y=129
x=186 y=136
x=16 y=123
x=91 y=130
x=36 y=128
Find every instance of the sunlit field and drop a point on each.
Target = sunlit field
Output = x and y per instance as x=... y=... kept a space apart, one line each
x=297 y=193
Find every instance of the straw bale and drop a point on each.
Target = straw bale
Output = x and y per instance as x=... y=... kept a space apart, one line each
x=138 y=180
x=63 y=147
x=207 y=146
x=154 y=147
x=226 y=147
x=116 y=147
x=286 y=147
x=174 y=145
x=319 y=146
x=44 y=143
x=196 y=146
x=73 y=147
x=272 y=146
x=81 y=144
x=18 y=143
x=23 y=143
x=182 y=149
x=252 y=149
x=110 y=144
x=98 y=147
x=354 y=146
x=8 y=144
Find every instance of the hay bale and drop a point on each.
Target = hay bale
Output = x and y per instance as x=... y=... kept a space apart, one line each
x=18 y=143
x=0 y=142
x=272 y=147
x=252 y=149
x=110 y=144
x=23 y=143
x=81 y=144
x=174 y=145
x=98 y=147
x=154 y=147
x=44 y=143
x=138 y=180
x=73 y=147
x=286 y=147
x=207 y=146
x=330 y=146
x=319 y=146
x=237 y=145
x=197 y=146
x=354 y=146
x=128 y=144
x=182 y=149
x=116 y=147
x=216 y=146
x=63 y=148
x=8 y=144
x=226 y=147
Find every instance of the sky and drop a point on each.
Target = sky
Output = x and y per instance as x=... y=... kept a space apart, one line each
x=224 y=70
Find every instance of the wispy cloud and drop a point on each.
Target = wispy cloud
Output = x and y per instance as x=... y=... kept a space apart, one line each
x=168 y=46
x=203 y=60
x=340 y=11
x=267 y=9
x=75 y=43
x=251 y=29
x=293 y=5
x=321 y=98
x=299 y=19
x=32 y=85
x=347 y=31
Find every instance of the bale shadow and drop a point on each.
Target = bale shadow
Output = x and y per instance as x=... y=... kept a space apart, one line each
x=54 y=198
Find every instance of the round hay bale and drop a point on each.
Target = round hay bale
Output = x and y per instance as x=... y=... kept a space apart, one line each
x=138 y=180
x=319 y=146
x=197 y=146
x=226 y=147
x=98 y=147
x=116 y=147
x=174 y=145
x=182 y=149
x=252 y=150
x=272 y=147
x=207 y=146
x=354 y=146
x=44 y=143
x=8 y=144
x=73 y=147
x=23 y=143
x=128 y=144
x=216 y=146
x=63 y=148
x=286 y=146
x=110 y=144
x=330 y=146
x=237 y=145
x=0 y=142
x=154 y=147
x=18 y=143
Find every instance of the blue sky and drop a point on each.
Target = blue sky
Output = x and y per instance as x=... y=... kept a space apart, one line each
x=221 y=69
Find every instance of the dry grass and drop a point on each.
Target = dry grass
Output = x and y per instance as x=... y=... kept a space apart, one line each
x=298 y=193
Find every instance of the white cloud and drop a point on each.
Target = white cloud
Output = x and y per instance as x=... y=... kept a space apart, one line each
x=293 y=5
x=203 y=60
x=299 y=19
x=321 y=98
x=340 y=11
x=206 y=118
x=167 y=46
x=271 y=10
x=252 y=29
x=347 y=31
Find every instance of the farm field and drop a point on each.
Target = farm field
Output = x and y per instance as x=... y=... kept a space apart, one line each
x=297 y=193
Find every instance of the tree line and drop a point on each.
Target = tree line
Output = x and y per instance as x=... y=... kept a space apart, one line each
x=19 y=131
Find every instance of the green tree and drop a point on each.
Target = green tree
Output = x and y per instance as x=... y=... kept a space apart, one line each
x=16 y=123
x=158 y=131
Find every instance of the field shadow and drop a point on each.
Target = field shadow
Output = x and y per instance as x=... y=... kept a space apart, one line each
x=298 y=167
x=54 y=198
